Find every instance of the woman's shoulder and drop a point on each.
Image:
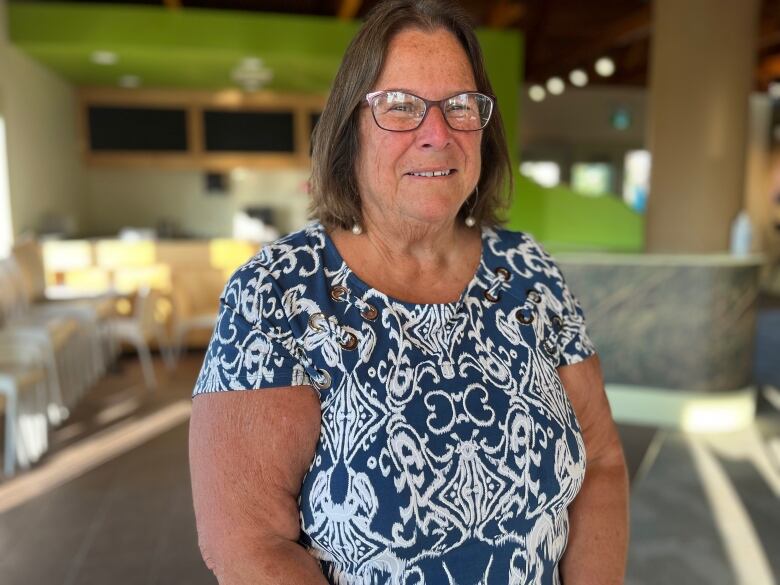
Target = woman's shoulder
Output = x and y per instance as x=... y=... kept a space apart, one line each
x=285 y=259
x=505 y=242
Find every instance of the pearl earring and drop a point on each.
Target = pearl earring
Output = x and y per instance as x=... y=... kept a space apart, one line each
x=470 y=220
x=356 y=229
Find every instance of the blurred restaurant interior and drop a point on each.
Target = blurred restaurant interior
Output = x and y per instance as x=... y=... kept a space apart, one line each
x=150 y=147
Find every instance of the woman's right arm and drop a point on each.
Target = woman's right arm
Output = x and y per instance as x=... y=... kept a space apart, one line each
x=249 y=452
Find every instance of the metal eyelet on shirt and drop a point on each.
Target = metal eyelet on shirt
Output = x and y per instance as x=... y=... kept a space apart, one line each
x=557 y=323
x=313 y=318
x=491 y=297
x=548 y=347
x=525 y=320
x=369 y=313
x=350 y=343
x=502 y=272
x=534 y=296
x=326 y=380
x=338 y=292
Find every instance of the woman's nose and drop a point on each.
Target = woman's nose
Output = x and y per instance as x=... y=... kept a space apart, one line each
x=434 y=131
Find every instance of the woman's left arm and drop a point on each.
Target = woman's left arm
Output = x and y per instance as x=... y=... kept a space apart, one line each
x=598 y=517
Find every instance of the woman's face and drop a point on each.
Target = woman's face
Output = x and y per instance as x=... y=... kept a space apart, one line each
x=432 y=65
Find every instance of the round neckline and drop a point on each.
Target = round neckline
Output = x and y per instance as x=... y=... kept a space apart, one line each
x=352 y=277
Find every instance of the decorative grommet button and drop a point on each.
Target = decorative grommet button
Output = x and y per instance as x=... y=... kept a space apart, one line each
x=313 y=318
x=350 y=343
x=503 y=273
x=524 y=319
x=369 y=313
x=338 y=292
x=534 y=296
x=548 y=347
x=325 y=382
x=557 y=322
x=491 y=297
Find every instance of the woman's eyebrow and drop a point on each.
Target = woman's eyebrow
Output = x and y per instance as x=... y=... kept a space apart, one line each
x=413 y=92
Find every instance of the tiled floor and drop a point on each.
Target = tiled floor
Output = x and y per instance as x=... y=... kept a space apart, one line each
x=130 y=520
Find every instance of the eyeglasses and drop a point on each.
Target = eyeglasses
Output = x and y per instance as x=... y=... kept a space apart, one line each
x=399 y=111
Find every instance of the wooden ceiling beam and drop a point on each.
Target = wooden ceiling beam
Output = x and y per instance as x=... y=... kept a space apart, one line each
x=622 y=32
x=504 y=14
x=348 y=9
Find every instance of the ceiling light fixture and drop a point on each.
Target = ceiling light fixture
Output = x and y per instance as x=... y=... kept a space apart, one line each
x=605 y=66
x=251 y=74
x=578 y=78
x=129 y=81
x=536 y=93
x=555 y=85
x=104 y=57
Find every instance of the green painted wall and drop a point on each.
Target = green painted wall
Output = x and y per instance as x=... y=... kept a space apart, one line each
x=565 y=221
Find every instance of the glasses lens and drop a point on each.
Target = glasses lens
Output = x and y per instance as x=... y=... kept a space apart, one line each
x=468 y=111
x=396 y=110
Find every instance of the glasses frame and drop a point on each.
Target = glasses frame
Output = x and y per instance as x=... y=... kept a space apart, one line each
x=428 y=105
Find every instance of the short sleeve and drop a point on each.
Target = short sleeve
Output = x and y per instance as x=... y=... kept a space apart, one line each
x=251 y=345
x=573 y=342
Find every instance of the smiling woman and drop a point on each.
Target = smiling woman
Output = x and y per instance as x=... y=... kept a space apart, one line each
x=430 y=387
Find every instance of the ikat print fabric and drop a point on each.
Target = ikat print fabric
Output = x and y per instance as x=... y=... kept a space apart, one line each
x=449 y=452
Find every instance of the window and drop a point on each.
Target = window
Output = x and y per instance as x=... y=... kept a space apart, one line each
x=636 y=179
x=6 y=231
x=546 y=173
x=592 y=179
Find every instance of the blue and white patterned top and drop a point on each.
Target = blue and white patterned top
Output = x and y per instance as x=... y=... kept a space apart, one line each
x=449 y=452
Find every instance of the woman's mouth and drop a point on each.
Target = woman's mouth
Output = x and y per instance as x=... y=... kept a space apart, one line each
x=432 y=173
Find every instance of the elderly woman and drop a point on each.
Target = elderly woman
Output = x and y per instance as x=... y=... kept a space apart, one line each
x=421 y=392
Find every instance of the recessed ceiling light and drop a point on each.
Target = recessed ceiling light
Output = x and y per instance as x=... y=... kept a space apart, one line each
x=555 y=85
x=578 y=78
x=605 y=66
x=129 y=81
x=536 y=93
x=104 y=57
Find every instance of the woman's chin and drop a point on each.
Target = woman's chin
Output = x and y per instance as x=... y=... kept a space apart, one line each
x=432 y=210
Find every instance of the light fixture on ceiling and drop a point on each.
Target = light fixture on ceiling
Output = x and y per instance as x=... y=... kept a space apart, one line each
x=536 y=93
x=578 y=78
x=605 y=67
x=251 y=74
x=104 y=57
x=555 y=85
x=129 y=81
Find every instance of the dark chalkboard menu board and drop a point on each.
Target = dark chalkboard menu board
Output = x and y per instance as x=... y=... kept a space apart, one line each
x=123 y=129
x=248 y=131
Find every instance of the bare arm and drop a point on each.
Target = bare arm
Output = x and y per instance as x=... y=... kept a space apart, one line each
x=598 y=536
x=249 y=452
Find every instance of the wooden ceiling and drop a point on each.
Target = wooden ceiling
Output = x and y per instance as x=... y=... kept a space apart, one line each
x=560 y=34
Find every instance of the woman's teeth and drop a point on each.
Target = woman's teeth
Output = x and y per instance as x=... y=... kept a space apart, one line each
x=431 y=174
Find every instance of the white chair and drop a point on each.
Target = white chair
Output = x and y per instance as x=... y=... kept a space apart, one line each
x=26 y=271
x=195 y=295
x=24 y=373
x=140 y=328
x=58 y=335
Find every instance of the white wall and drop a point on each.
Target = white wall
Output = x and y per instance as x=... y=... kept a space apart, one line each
x=576 y=126
x=46 y=177
x=119 y=198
